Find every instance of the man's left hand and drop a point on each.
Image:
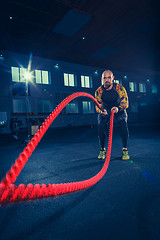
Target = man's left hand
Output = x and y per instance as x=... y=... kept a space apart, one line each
x=115 y=109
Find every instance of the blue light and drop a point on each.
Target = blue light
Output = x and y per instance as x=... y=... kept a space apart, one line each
x=1 y=57
x=56 y=65
x=83 y=38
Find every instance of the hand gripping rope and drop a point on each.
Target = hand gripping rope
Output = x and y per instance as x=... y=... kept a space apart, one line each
x=12 y=193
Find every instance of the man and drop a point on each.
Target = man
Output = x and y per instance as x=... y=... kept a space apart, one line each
x=112 y=96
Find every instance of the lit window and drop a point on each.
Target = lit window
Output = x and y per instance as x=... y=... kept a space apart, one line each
x=44 y=106
x=45 y=77
x=86 y=82
x=87 y=107
x=18 y=74
x=15 y=74
x=38 y=76
x=41 y=77
x=142 y=87
x=71 y=108
x=69 y=80
x=22 y=74
x=132 y=87
x=65 y=79
x=116 y=81
x=154 y=89
x=19 y=106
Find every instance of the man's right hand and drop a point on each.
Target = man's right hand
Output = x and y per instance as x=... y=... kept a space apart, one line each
x=104 y=112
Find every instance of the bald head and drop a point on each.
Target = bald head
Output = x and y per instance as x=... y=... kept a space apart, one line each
x=107 y=79
x=107 y=71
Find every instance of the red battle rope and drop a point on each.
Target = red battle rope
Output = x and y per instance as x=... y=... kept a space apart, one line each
x=12 y=193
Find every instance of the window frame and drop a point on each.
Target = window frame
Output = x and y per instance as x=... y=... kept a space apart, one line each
x=154 y=88
x=90 y=107
x=83 y=81
x=67 y=110
x=134 y=85
x=43 y=106
x=18 y=77
x=67 y=82
x=143 y=87
x=20 y=101
x=41 y=77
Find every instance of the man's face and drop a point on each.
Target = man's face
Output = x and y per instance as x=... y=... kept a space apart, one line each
x=107 y=79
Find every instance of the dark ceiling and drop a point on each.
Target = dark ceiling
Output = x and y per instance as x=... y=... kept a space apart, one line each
x=119 y=34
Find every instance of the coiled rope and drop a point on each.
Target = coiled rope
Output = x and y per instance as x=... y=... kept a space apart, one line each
x=12 y=193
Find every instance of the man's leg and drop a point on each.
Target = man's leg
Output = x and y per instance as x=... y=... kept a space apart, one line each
x=122 y=120
x=102 y=128
x=124 y=133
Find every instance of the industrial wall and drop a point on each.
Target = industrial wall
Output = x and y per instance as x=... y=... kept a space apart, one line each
x=23 y=102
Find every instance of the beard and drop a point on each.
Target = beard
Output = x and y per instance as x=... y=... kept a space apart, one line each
x=107 y=85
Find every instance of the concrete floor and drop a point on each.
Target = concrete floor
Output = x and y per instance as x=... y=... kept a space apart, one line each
x=125 y=204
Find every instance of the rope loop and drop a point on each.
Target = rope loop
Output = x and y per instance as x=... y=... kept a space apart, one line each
x=11 y=193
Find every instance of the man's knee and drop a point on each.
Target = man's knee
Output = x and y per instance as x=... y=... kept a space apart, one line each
x=102 y=120
x=122 y=117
